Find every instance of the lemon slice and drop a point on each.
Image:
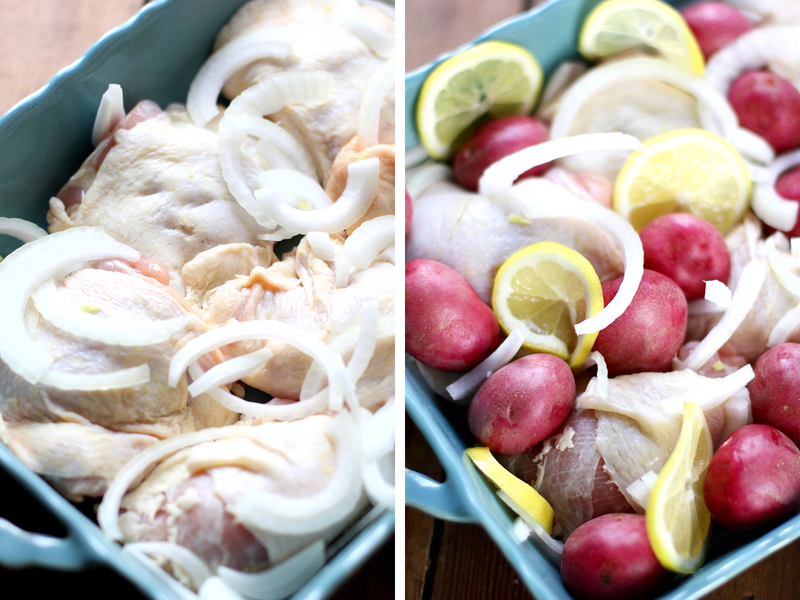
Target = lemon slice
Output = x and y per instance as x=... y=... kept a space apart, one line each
x=523 y=495
x=545 y=289
x=619 y=25
x=494 y=78
x=678 y=522
x=688 y=170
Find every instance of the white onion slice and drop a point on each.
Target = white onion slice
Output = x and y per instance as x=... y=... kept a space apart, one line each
x=282 y=89
x=349 y=15
x=367 y=341
x=389 y=255
x=23 y=230
x=378 y=431
x=275 y=137
x=229 y=371
x=265 y=511
x=369 y=113
x=794 y=244
x=342 y=271
x=201 y=101
x=301 y=192
x=784 y=327
x=560 y=79
x=640 y=489
x=602 y=372
x=109 y=114
x=339 y=382
x=372 y=237
x=769 y=206
x=711 y=393
x=461 y=388
x=114 y=380
x=742 y=301
x=552 y=548
x=501 y=175
x=278 y=200
x=718 y=293
x=279 y=581
x=715 y=112
x=27 y=268
x=322 y=245
x=424 y=176
x=752 y=51
x=415 y=156
x=738 y=413
x=214 y=588
x=379 y=491
x=191 y=564
x=774 y=246
x=620 y=231
x=117 y=331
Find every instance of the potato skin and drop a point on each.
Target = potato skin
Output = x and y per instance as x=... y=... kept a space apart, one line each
x=775 y=390
x=650 y=332
x=610 y=557
x=715 y=25
x=522 y=403
x=753 y=479
x=447 y=325
x=768 y=105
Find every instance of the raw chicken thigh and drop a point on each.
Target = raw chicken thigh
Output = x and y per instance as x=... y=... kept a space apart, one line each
x=485 y=232
x=302 y=290
x=79 y=439
x=324 y=43
x=192 y=498
x=158 y=189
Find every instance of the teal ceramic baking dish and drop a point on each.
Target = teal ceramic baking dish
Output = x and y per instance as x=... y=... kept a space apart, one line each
x=550 y=32
x=43 y=141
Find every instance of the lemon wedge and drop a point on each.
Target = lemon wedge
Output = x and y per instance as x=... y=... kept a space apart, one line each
x=678 y=522
x=619 y=25
x=523 y=495
x=688 y=170
x=545 y=289
x=494 y=78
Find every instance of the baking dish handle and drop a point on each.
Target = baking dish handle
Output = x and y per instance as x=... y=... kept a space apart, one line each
x=440 y=500
x=20 y=548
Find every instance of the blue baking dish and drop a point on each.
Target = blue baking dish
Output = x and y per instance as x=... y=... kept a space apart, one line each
x=43 y=141
x=550 y=32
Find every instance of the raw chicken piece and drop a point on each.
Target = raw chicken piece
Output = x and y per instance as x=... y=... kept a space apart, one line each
x=301 y=290
x=474 y=235
x=52 y=428
x=641 y=108
x=191 y=497
x=782 y=12
x=323 y=44
x=772 y=303
x=384 y=201
x=159 y=189
x=569 y=473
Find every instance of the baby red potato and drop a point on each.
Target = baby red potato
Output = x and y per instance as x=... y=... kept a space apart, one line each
x=715 y=25
x=775 y=390
x=769 y=106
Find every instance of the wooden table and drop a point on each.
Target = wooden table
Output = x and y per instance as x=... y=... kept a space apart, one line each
x=37 y=38
x=449 y=560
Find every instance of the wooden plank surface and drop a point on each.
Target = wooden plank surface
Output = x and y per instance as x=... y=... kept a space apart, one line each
x=37 y=39
x=451 y=560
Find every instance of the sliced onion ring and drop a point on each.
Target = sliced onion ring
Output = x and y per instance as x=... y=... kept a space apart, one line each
x=500 y=176
x=369 y=113
x=27 y=268
x=713 y=393
x=191 y=564
x=339 y=382
x=322 y=245
x=349 y=15
x=769 y=206
x=201 y=101
x=23 y=230
x=744 y=297
x=109 y=114
x=277 y=200
x=461 y=388
x=229 y=371
x=116 y=331
x=774 y=245
x=369 y=239
x=615 y=226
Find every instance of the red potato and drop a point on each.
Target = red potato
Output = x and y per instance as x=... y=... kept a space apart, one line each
x=495 y=140
x=647 y=336
x=769 y=106
x=611 y=558
x=522 y=403
x=409 y=212
x=447 y=325
x=788 y=186
x=715 y=25
x=753 y=479
x=775 y=390
x=687 y=249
